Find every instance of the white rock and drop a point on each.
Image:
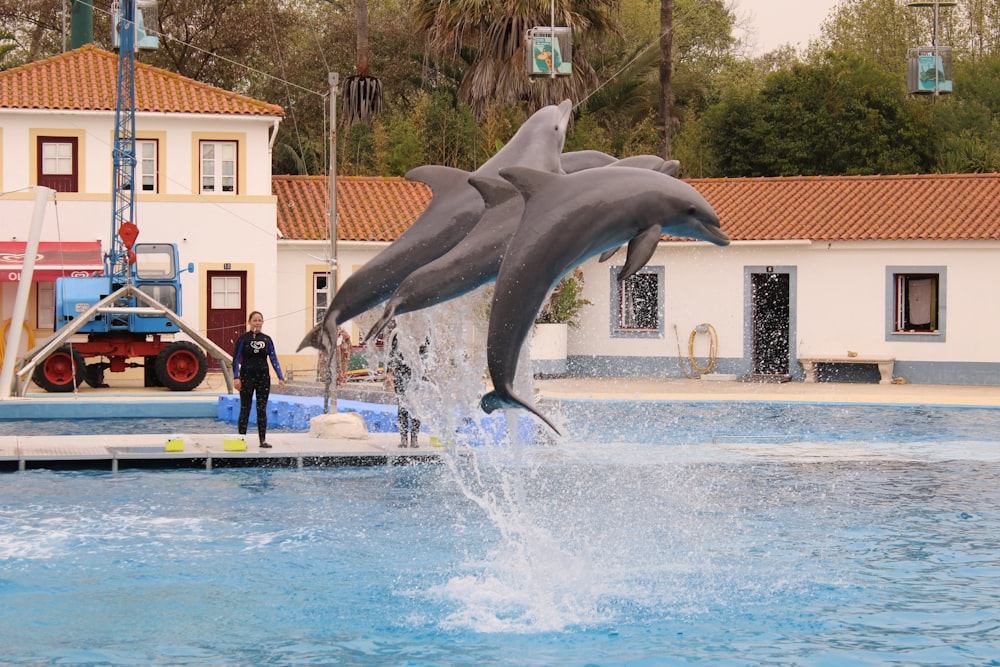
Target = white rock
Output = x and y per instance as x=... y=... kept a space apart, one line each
x=348 y=425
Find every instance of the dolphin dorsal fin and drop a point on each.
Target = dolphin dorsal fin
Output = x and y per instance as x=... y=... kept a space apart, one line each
x=439 y=179
x=493 y=190
x=529 y=181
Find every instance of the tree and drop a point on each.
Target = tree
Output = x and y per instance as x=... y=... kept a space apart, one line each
x=487 y=41
x=842 y=116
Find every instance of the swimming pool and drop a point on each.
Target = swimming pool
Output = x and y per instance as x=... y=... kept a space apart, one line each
x=721 y=548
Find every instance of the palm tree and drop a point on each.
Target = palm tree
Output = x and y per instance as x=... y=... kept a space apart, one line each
x=489 y=36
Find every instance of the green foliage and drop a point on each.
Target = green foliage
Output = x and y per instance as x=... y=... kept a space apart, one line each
x=564 y=304
x=842 y=116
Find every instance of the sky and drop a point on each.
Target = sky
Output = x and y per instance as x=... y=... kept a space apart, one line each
x=777 y=22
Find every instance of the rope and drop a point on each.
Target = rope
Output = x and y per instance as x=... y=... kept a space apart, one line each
x=697 y=370
x=3 y=336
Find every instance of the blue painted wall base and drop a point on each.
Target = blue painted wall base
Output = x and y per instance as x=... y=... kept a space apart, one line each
x=296 y=412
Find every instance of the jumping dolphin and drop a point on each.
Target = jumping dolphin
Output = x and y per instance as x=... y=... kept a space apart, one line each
x=475 y=260
x=568 y=219
x=454 y=210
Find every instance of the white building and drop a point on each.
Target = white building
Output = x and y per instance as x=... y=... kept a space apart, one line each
x=203 y=168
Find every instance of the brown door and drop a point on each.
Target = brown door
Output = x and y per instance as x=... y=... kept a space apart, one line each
x=227 y=309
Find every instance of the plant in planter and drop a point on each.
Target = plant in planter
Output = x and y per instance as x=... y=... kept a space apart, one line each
x=564 y=303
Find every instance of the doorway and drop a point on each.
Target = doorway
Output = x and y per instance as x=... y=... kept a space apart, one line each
x=770 y=298
x=227 y=309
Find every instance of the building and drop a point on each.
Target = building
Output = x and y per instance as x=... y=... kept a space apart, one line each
x=203 y=170
x=887 y=267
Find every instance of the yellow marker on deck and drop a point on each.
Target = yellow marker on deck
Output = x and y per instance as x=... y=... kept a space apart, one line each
x=234 y=443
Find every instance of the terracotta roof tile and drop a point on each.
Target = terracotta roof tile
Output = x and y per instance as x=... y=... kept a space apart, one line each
x=822 y=208
x=369 y=208
x=842 y=208
x=86 y=79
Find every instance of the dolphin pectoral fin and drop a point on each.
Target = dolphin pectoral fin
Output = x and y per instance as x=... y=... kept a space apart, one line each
x=608 y=254
x=494 y=401
x=640 y=250
x=383 y=321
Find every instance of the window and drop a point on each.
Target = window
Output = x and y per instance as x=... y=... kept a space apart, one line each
x=57 y=163
x=226 y=293
x=46 y=306
x=218 y=167
x=915 y=303
x=638 y=302
x=321 y=295
x=146 y=171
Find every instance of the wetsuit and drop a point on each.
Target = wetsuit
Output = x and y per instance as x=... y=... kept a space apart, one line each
x=250 y=365
x=402 y=374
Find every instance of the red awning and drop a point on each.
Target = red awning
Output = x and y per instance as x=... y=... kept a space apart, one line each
x=54 y=260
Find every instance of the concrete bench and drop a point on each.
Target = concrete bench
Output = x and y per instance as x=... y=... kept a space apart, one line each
x=885 y=365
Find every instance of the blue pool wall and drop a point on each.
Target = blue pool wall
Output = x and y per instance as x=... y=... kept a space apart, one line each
x=296 y=412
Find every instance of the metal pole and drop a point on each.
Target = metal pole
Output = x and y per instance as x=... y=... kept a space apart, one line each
x=331 y=281
x=42 y=195
x=934 y=43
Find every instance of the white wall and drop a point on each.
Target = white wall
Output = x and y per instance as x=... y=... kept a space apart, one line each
x=210 y=231
x=839 y=299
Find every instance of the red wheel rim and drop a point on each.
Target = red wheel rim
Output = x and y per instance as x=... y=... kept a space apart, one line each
x=58 y=368
x=182 y=365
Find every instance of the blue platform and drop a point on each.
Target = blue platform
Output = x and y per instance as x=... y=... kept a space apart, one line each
x=295 y=412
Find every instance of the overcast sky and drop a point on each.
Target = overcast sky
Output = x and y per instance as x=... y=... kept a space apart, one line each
x=777 y=22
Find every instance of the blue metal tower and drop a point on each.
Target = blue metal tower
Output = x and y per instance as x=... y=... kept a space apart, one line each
x=123 y=228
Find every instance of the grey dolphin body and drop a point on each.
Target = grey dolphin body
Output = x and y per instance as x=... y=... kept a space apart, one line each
x=454 y=210
x=568 y=219
x=475 y=260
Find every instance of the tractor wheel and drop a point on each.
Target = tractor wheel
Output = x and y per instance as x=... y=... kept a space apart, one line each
x=181 y=366
x=56 y=373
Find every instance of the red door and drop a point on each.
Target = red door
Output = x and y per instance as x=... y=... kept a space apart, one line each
x=227 y=309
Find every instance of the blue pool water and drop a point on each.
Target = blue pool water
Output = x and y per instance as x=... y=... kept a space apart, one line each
x=664 y=543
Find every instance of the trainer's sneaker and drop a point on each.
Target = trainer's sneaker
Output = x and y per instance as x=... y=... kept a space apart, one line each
x=264 y=445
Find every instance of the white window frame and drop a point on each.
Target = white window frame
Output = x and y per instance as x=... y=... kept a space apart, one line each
x=57 y=158
x=218 y=167
x=621 y=324
x=147 y=170
x=321 y=295
x=226 y=293
x=900 y=298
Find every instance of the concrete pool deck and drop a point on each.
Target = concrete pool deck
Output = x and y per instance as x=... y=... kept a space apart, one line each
x=125 y=400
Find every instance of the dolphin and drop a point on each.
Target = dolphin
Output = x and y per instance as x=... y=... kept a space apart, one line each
x=568 y=219
x=454 y=210
x=475 y=260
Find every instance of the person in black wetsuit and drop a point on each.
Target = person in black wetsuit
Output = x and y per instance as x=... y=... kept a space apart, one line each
x=250 y=356
x=399 y=373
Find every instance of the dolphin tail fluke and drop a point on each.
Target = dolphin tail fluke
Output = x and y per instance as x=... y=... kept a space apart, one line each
x=494 y=401
x=312 y=339
x=383 y=321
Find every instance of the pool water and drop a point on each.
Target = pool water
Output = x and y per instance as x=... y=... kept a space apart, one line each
x=602 y=550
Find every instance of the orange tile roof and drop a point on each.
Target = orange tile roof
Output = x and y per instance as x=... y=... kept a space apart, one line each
x=821 y=208
x=369 y=208
x=857 y=208
x=86 y=79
